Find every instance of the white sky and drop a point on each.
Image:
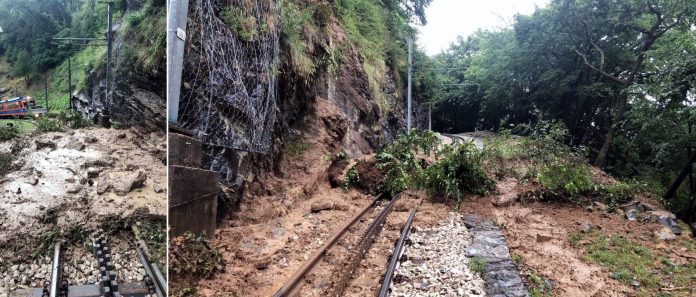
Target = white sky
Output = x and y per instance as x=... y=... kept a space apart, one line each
x=448 y=19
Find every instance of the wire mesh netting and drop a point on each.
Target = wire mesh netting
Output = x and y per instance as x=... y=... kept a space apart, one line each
x=228 y=95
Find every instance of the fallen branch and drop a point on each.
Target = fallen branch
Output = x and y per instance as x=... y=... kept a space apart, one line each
x=690 y=257
x=674 y=289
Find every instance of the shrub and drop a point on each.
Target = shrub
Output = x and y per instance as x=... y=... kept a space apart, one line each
x=458 y=171
x=5 y=163
x=566 y=179
x=454 y=170
x=352 y=177
x=191 y=258
x=44 y=125
x=8 y=132
x=295 y=25
x=73 y=119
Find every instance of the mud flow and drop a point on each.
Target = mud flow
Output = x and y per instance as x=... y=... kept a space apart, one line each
x=62 y=186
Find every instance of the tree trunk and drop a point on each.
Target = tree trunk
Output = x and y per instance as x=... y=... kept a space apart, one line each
x=680 y=178
x=608 y=140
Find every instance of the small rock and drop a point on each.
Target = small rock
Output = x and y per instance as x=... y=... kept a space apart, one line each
x=157 y=188
x=317 y=207
x=543 y=237
x=664 y=234
x=262 y=264
x=90 y=139
x=601 y=206
x=74 y=189
x=42 y=144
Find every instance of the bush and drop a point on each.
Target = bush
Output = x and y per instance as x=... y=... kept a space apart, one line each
x=44 y=125
x=8 y=132
x=5 y=163
x=191 y=258
x=453 y=170
x=458 y=171
x=570 y=180
x=73 y=119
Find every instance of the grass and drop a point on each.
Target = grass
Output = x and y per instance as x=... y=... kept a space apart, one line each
x=538 y=286
x=477 y=265
x=23 y=126
x=627 y=260
x=296 y=147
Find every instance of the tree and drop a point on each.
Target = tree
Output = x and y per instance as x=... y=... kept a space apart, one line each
x=628 y=27
x=24 y=67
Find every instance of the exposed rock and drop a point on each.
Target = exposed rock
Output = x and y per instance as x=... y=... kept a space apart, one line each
x=601 y=206
x=42 y=144
x=75 y=144
x=317 y=207
x=74 y=189
x=103 y=184
x=129 y=182
x=664 y=234
x=337 y=172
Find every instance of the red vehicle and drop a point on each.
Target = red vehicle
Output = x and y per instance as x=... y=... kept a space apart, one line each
x=20 y=107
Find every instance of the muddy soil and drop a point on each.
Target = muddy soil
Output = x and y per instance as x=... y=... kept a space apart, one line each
x=65 y=183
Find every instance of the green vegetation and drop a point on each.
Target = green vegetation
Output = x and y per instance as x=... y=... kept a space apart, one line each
x=296 y=146
x=73 y=119
x=477 y=265
x=191 y=258
x=538 y=287
x=629 y=262
x=417 y=161
x=40 y=57
x=618 y=76
x=352 y=177
x=5 y=163
x=298 y=28
x=8 y=132
x=45 y=125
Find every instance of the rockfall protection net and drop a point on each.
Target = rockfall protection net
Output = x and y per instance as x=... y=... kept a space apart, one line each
x=228 y=95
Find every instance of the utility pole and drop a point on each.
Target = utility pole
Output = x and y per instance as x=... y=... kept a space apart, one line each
x=410 y=70
x=46 y=90
x=176 y=42
x=430 y=116
x=70 y=83
x=109 y=42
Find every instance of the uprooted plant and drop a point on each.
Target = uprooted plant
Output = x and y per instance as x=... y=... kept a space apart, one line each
x=418 y=161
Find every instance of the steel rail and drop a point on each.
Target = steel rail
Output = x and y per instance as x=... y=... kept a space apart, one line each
x=362 y=248
x=291 y=286
x=55 y=271
x=153 y=272
x=398 y=251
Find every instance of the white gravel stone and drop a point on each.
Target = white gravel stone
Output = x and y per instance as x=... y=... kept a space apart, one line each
x=436 y=263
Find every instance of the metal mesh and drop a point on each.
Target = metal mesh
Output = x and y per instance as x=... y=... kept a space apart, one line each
x=228 y=95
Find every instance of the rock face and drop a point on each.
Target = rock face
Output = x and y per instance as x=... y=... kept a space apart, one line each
x=137 y=98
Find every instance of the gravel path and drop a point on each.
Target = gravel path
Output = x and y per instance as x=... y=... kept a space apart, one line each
x=436 y=264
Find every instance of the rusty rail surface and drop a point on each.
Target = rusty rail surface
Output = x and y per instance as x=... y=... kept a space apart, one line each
x=291 y=286
x=398 y=251
x=362 y=248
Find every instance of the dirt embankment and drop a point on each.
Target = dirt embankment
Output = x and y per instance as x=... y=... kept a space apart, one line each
x=74 y=181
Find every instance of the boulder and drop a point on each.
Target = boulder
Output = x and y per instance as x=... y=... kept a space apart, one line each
x=129 y=182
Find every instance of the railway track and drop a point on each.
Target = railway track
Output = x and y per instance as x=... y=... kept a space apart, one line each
x=362 y=240
x=153 y=283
